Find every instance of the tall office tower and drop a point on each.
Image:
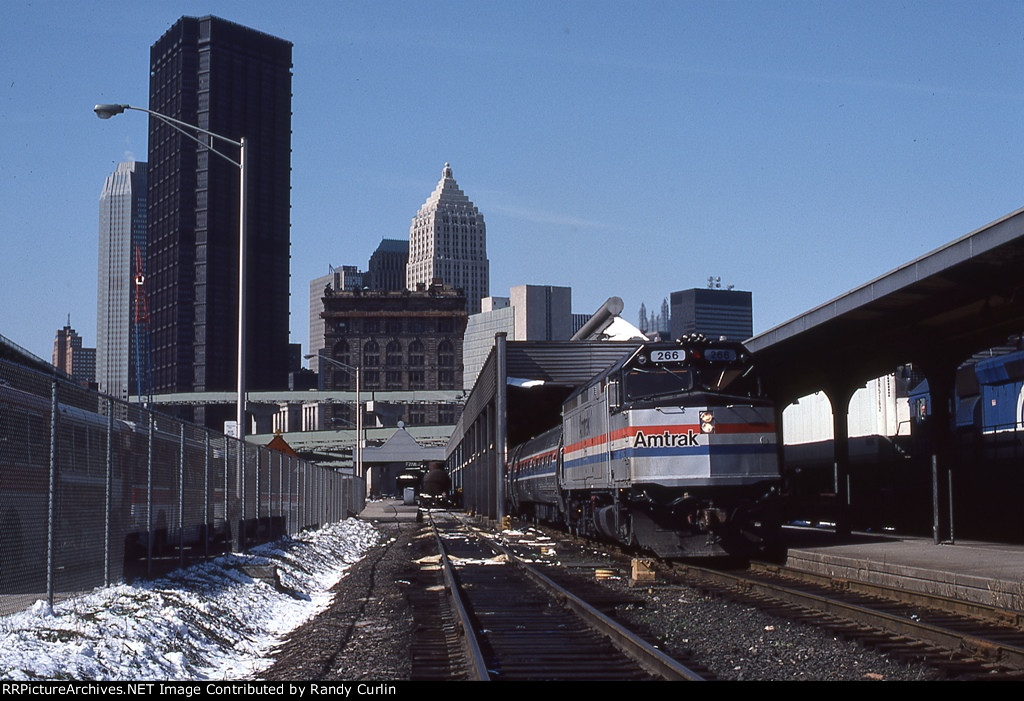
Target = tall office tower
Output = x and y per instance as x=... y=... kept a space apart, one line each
x=387 y=266
x=529 y=313
x=448 y=241
x=542 y=312
x=122 y=241
x=70 y=357
x=235 y=82
x=713 y=312
x=347 y=277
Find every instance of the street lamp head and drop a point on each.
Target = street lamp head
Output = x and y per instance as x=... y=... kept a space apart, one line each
x=108 y=111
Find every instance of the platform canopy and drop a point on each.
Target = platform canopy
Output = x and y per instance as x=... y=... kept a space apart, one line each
x=962 y=298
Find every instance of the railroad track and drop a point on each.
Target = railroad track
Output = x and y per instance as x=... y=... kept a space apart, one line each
x=514 y=623
x=963 y=640
x=958 y=639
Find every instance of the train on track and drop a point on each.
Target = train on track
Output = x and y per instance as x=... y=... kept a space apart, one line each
x=890 y=479
x=672 y=450
x=78 y=449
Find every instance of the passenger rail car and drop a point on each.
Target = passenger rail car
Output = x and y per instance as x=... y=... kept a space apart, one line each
x=673 y=450
x=81 y=488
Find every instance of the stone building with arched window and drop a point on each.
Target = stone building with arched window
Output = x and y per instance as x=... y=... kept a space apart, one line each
x=400 y=341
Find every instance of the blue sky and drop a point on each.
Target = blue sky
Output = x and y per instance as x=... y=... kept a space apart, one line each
x=794 y=149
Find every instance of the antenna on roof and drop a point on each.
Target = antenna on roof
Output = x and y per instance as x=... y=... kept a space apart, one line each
x=715 y=283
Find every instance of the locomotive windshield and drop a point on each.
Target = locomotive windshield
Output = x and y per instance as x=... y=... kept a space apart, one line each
x=644 y=383
x=661 y=373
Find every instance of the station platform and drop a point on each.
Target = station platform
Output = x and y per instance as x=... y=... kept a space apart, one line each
x=389 y=511
x=987 y=573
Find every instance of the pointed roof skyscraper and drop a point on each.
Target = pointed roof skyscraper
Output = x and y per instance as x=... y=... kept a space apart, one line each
x=448 y=240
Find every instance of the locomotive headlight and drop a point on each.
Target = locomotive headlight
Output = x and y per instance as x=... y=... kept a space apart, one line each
x=707 y=422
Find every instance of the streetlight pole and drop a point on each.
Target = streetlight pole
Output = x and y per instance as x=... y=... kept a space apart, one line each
x=359 y=410
x=108 y=111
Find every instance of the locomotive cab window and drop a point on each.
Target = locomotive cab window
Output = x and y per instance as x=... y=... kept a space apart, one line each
x=736 y=380
x=656 y=381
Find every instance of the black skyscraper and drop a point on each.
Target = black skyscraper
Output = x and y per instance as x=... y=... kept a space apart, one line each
x=712 y=312
x=233 y=81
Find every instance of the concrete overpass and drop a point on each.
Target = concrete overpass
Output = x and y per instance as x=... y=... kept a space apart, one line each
x=312 y=395
x=333 y=446
x=934 y=312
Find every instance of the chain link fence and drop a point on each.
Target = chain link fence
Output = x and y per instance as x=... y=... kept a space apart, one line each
x=95 y=491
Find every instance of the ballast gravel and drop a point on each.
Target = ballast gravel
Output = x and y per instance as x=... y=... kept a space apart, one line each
x=367 y=634
x=740 y=642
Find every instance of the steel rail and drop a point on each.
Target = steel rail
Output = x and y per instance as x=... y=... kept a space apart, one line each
x=919 y=630
x=643 y=653
x=471 y=645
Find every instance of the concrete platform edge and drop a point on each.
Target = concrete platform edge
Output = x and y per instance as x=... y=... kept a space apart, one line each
x=985 y=590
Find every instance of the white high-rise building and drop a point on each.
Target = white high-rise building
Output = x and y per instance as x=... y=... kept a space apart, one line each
x=448 y=241
x=122 y=229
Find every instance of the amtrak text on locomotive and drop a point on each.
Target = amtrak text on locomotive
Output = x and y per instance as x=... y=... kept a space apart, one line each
x=666 y=439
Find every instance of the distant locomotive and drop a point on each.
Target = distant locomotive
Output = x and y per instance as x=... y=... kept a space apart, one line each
x=435 y=487
x=672 y=450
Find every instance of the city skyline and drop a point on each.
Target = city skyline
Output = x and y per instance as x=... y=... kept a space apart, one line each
x=796 y=150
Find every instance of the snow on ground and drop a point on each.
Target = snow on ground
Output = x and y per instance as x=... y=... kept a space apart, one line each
x=208 y=622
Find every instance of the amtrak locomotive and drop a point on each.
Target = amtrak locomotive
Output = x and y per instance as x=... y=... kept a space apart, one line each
x=672 y=450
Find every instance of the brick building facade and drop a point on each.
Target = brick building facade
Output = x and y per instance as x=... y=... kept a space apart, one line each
x=400 y=341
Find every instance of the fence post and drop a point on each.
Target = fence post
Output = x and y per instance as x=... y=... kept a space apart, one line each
x=259 y=462
x=241 y=468
x=108 y=505
x=149 y=497
x=288 y=514
x=227 y=490
x=51 y=495
x=207 y=520
x=280 y=492
x=181 y=496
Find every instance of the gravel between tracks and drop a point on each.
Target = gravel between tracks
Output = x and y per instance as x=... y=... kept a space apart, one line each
x=366 y=634
x=740 y=642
